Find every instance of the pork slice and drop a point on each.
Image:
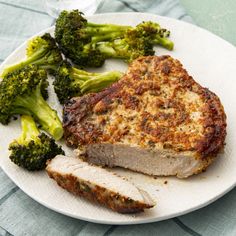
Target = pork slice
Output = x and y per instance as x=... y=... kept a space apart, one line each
x=98 y=184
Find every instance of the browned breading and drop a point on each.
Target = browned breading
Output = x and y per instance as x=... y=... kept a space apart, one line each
x=98 y=185
x=98 y=194
x=156 y=104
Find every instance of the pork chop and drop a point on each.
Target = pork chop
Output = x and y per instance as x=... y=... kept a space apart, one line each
x=97 y=184
x=156 y=120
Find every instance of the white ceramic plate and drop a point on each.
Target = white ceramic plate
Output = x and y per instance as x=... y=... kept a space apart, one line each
x=212 y=63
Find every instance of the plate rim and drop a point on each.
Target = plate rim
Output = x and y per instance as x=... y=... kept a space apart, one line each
x=121 y=222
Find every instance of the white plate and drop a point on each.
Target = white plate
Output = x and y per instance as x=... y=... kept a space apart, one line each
x=212 y=62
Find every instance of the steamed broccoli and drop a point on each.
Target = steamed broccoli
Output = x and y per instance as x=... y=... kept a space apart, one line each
x=21 y=93
x=41 y=51
x=70 y=81
x=32 y=149
x=89 y=44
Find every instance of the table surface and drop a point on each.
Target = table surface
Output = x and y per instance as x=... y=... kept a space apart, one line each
x=216 y=16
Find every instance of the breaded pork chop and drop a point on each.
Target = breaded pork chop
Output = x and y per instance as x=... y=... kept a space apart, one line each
x=98 y=185
x=156 y=120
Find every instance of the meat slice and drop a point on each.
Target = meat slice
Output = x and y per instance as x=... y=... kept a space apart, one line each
x=98 y=184
x=156 y=120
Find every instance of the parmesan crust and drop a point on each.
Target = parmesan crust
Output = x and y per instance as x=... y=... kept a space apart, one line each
x=155 y=106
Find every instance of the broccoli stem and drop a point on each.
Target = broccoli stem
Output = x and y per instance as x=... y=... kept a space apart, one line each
x=98 y=82
x=115 y=49
x=105 y=37
x=29 y=130
x=36 y=106
x=80 y=76
x=30 y=60
x=96 y=29
x=75 y=71
x=165 y=42
x=93 y=82
x=120 y=49
x=41 y=51
x=105 y=32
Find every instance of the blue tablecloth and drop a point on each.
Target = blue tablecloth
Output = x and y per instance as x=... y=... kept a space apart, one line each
x=20 y=215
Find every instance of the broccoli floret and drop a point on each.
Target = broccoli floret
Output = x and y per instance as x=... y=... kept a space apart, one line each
x=131 y=46
x=41 y=51
x=156 y=35
x=77 y=37
x=32 y=149
x=138 y=41
x=20 y=93
x=70 y=81
x=88 y=44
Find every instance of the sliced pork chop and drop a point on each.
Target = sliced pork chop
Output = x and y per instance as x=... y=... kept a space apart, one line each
x=156 y=120
x=98 y=184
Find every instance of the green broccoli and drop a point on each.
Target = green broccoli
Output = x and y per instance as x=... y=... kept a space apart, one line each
x=156 y=35
x=70 y=81
x=77 y=37
x=32 y=149
x=88 y=44
x=21 y=93
x=131 y=46
x=41 y=51
x=138 y=41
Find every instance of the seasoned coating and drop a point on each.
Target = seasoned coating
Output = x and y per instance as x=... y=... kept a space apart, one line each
x=155 y=106
x=98 y=185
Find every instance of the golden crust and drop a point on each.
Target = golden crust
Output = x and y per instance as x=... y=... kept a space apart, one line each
x=98 y=194
x=155 y=105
